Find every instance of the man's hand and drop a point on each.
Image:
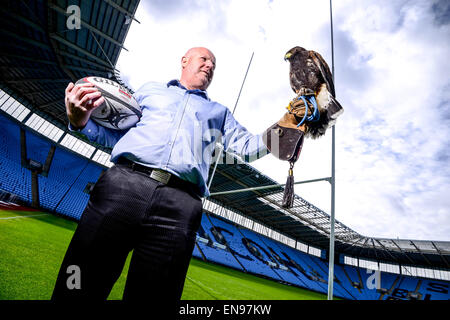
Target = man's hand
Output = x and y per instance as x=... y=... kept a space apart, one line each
x=297 y=108
x=289 y=120
x=81 y=100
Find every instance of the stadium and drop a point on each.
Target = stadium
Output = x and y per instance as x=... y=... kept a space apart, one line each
x=248 y=246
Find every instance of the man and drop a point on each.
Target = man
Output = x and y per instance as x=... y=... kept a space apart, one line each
x=150 y=200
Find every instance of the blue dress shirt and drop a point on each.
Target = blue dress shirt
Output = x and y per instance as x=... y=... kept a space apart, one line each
x=178 y=132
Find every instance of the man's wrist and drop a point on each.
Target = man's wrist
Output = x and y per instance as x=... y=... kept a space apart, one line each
x=76 y=128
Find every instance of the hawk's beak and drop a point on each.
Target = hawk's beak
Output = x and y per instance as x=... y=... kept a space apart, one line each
x=287 y=56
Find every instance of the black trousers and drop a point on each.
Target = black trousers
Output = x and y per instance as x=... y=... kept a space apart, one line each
x=128 y=211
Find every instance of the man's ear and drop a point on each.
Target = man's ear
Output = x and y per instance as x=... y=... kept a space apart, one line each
x=184 y=61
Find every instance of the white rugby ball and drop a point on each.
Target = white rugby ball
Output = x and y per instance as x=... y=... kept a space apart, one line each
x=120 y=110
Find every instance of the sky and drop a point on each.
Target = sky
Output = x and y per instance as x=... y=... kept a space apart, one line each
x=391 y=62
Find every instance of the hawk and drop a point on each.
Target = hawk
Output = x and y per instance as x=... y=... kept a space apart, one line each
x=312 y=81
x=309 y=114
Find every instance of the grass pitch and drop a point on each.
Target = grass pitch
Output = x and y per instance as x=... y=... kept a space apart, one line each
x=33 y=244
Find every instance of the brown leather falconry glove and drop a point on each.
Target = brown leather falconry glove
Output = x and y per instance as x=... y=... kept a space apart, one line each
x=285 y=140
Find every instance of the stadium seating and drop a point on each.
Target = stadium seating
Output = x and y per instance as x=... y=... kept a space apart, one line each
x=62 y=191
x=37 y=147
x=13 y=177
x=220 y=256
x=350 y=292
x=368 y=293
x=266 y=257
x=76 y=200
x=304 y=270
x=434 y=290
x=215 y=254
x=269 y=253
x=234 y=240
x=287 y=271
x=196 y=253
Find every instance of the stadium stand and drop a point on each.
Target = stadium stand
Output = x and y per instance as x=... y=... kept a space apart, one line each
x=296 y=268
x=239 y=247
x=37 y=148
x=64 y=189
x=75 y=201
x=434 y=290
x=56 y=185
x=349 y=290
x=13 y=177
x=262 y=253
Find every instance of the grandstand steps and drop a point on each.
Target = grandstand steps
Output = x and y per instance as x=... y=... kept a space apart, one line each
x=201 y=252
x=416 y=295
x=394 y=284
x=419 y=283
x=343 y=283
x=235 y=258
x=48 y=161
x=228 y=247
x=360 y=279
x=34 y=190
x=269 y=270
x=351 y=280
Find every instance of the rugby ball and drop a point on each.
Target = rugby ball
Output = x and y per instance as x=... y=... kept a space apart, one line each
x=120 y=110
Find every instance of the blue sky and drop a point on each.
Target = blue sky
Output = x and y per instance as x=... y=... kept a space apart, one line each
x=391 y=76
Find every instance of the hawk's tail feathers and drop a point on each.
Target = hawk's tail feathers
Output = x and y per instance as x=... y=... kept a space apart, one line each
x=328 y=116
x=334 y=108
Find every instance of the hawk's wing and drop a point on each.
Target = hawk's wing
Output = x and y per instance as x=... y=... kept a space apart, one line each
x=324 y=70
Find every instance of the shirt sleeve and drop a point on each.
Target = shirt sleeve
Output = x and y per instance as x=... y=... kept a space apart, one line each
x=238 y=139
x=101 y=135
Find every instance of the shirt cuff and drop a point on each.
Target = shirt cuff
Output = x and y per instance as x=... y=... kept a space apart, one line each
x=90 y=129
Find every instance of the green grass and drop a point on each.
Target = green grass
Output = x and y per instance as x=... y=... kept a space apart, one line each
x=32 y=248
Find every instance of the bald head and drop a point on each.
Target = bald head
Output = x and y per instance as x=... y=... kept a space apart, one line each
x=197 y=68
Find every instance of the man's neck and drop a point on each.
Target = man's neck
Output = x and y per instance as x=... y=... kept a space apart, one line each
x=190 y=87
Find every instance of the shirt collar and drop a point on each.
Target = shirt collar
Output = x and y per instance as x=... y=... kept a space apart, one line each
x=178 y=84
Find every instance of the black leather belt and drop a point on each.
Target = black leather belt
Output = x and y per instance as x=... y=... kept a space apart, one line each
x=160 y=175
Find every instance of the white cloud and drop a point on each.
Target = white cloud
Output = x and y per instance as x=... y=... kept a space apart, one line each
x=391 y=74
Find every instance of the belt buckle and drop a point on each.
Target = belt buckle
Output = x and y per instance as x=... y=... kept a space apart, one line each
x=160 y=175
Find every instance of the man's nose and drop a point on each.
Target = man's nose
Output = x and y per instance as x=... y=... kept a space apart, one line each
x=209 y=64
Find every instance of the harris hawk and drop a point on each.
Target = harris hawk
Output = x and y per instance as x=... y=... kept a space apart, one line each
x=310 y=113
x=311 y=78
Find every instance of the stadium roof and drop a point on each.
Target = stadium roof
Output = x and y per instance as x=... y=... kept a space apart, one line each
x=43 y=50
x=40 y=55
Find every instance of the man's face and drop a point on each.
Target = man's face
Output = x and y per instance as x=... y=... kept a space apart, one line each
x=198 y=68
